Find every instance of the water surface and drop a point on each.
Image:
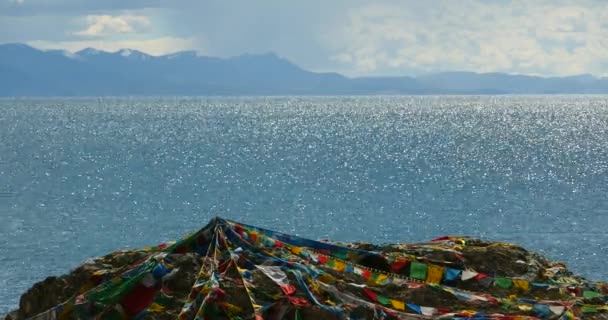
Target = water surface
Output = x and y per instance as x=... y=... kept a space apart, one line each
x=82 y=177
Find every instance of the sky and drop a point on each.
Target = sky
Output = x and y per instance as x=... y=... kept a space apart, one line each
x=352 y=37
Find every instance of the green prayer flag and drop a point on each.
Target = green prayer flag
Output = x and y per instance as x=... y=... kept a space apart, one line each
x=374 y=277
x=384 y=300
x=591 y=294
x=504 y=283
x=418 y=270
x=331 y=263
x=588 y=309
x=340 y=255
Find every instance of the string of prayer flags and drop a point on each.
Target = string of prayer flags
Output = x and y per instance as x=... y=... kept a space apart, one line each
x=398 y=305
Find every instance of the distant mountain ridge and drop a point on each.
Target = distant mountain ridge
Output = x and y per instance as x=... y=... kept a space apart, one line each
x=26 y=71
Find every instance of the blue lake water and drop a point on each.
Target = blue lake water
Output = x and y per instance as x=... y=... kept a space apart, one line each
x=83 y=177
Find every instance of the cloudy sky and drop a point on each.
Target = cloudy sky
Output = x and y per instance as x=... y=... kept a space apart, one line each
x=354 y=37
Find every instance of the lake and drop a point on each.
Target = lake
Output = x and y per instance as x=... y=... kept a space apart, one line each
x=83 y=177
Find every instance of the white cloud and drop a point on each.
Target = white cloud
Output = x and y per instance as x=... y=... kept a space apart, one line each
x=364 y=37
x=156 y=46
x=16 y=1
x=104 y=25
x=532 y=37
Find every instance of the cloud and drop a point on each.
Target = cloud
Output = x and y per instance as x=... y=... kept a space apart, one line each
x=156 y=46
x=364 y=37
x=104 y=25
x=16 y=1
x=518 y=36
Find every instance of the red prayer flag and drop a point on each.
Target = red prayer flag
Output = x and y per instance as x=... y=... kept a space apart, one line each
x=372 y=295
x=366 y=274
x=322 y=259
x=397 y=265
x=288 y=289
x=480 y=276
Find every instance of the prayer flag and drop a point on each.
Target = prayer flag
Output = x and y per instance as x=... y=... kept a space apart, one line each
x=428 y=311
x=434 y=274
x=468 y=274
x=521 y=284
x=504 y=283
x=384 y=300
x=418 y=270
x=399 y=305
x=591 y=294
x=414 y=307
x=451 y=274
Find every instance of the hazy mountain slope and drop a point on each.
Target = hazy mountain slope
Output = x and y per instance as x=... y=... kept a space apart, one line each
x=25 y=71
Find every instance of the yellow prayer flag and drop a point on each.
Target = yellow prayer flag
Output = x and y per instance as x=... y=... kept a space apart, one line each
x=155 y=307
x=434 y=274
x=232 y=309
x=399 y=305
x=381 y=278
x=296 y=250
x=326 y=278
x=340 y=266
x=521 y=284
x=524 y=307
x=468 y=312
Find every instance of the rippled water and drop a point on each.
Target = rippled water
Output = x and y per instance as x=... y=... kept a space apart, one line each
x=82 y=177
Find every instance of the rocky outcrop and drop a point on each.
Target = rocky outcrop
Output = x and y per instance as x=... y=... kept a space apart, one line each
x=450 y=277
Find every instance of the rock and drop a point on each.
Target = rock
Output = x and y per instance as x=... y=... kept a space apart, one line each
x=351 y=281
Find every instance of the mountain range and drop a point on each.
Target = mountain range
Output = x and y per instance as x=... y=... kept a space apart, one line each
x=26 y=71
